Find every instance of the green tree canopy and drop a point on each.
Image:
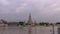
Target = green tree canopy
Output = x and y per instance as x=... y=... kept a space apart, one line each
x=21 y=23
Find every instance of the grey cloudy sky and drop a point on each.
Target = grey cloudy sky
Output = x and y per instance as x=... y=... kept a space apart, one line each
x=41 y=10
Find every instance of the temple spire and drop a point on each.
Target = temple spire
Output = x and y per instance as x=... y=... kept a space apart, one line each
x=30 y=19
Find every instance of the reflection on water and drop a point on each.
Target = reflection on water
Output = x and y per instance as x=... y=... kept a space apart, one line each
x=24 y=30
x=13 y=30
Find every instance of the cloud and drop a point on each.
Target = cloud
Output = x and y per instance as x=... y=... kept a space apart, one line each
x=21 y=8
x=41 y=10
x=4 y=2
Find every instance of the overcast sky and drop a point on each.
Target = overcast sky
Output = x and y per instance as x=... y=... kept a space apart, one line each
x=41 y=10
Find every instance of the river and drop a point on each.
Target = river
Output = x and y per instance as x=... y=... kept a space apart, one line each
x=25 y=30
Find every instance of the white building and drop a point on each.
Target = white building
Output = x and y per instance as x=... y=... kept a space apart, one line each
x=30 y=20
x=58 y=28
x=53 y=29
x=3 y=23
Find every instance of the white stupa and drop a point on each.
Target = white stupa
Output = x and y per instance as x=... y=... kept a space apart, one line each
x=30 y=19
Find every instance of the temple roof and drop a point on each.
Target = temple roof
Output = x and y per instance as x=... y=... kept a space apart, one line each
x=29 y=19
x=3 y=21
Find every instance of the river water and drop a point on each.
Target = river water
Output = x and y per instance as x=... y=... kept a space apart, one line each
x=25 y=30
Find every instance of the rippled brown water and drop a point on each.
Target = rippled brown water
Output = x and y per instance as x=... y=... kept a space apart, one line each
x=24 y=30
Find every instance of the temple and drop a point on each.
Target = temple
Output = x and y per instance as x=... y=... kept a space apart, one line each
x=3 y=22
x=30 y=19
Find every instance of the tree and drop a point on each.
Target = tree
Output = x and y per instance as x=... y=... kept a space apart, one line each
x=44 y=23
x=21 y=23
x=27 y=24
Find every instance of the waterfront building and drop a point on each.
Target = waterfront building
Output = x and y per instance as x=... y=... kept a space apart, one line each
x=30 y=22
x=12 y=24
x=3 y=23
x=58 y=27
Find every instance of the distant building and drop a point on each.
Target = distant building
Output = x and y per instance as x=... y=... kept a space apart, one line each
x=58 y=29
x=30 y=22
x=3 y=23
x=12 y=24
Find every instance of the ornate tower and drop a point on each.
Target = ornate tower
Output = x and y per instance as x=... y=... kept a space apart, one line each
x=30 y=19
